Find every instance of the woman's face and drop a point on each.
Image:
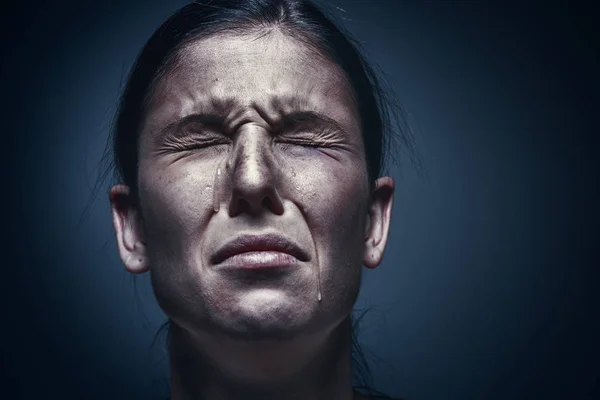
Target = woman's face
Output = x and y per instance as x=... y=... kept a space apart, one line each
x=247 y=137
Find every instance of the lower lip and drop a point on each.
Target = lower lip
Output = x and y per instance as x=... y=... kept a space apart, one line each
x=259 y=260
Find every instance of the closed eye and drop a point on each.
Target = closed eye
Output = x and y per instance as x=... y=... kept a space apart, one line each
x=299 y=142
x=205 y=143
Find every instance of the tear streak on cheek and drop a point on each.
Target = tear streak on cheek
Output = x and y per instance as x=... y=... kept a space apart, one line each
x=319 y=296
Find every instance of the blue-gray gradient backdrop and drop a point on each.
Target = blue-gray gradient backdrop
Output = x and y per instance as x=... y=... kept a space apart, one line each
x=487 y=286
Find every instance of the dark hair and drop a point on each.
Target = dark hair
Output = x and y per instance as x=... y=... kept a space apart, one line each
x=304 y=21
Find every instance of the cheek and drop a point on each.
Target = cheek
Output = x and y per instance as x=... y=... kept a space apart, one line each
x=174 y=200
x=176 y=204
x=336 y=203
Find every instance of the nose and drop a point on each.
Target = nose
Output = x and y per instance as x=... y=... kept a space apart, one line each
x=254 y=174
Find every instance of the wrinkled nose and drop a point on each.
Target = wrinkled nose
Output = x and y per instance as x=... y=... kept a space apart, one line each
x=254 y=174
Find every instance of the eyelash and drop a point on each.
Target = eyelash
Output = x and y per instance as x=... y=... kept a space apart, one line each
x=285 y=144
x=198 y=145
x=304 y=143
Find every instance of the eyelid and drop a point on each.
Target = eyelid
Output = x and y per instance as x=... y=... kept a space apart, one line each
x=177 y=128
x=306 y=143
x=312 y=143
x=196 y=145
x=183 y=138
x=310 y=120
x=317 y=134
x=191 y=130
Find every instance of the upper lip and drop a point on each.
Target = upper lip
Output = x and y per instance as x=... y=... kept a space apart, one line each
x=268 y=242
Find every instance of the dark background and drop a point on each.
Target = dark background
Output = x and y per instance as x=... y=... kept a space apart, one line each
x=488 y=289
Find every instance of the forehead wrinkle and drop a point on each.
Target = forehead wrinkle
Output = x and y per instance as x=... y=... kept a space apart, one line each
x=226 y=57
x=207 y=71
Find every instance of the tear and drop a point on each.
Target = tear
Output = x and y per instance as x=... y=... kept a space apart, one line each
x=217 y=188
x=319 y=296
x=319 y=287
x=216 y=205
x=290 y=170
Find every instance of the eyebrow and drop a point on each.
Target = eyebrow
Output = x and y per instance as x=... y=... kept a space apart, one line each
x=207 y=119
x=310 y=119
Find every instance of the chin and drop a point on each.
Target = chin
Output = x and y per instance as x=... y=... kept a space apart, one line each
x=258 y=331
x=267 y=315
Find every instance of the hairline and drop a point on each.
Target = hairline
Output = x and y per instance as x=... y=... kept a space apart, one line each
x=172 y=61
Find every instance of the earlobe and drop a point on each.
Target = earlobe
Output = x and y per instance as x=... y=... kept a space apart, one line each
x=378 y=221
x=136 y=262
x=128 y=229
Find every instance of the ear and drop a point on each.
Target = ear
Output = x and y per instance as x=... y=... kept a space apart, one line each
x=378 y=221
x=129 y=229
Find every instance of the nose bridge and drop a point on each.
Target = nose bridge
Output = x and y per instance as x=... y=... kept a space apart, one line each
x=253 y=172
x=252 y=161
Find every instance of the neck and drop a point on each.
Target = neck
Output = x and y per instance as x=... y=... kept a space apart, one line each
x=221 y=368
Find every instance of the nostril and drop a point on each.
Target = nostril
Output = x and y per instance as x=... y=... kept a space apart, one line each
x=267 y=203
x=242 y=206
x=255 y=203
x=274 y=203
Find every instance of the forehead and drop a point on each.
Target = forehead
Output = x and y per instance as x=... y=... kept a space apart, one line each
x=272 y=74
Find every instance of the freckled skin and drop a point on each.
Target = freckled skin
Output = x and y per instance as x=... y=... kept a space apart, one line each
x=323 y=191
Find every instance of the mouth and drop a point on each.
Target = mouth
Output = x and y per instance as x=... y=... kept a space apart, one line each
x=259 y=252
